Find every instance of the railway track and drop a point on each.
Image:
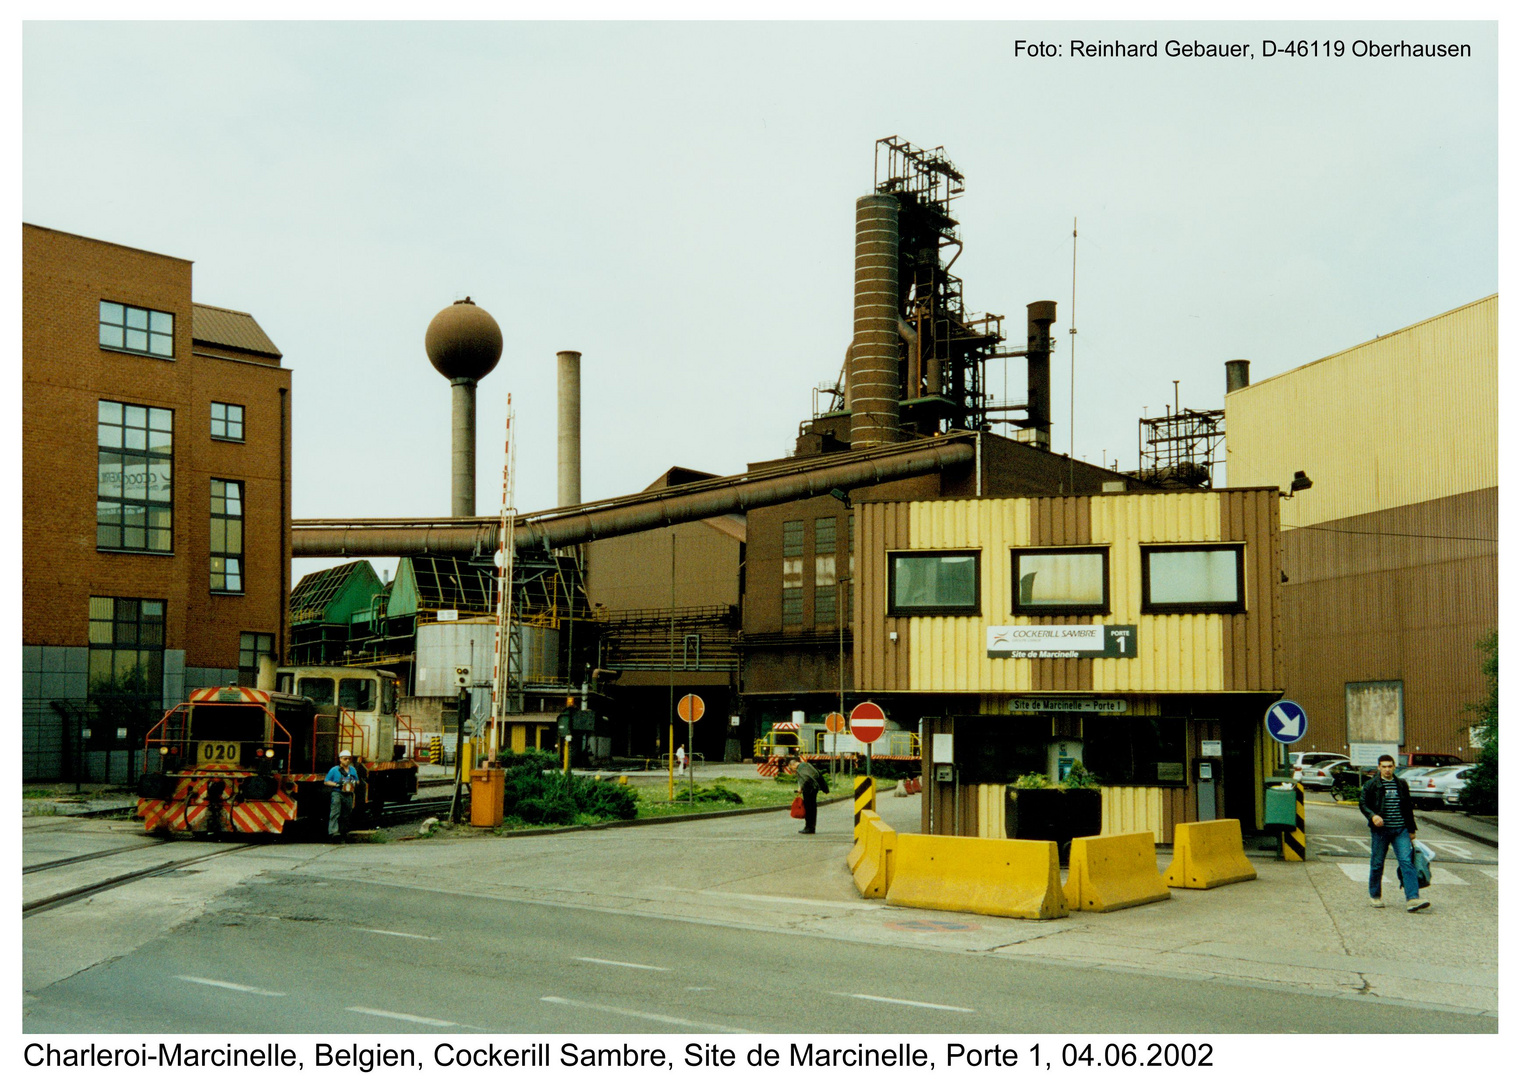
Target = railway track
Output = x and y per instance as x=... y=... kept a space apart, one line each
x=72 y=859
x=80 y=892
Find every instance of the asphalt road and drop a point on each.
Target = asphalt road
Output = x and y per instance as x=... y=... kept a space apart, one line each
x=300 y=954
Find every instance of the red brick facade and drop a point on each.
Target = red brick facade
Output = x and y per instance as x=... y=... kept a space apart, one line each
x=65 y=374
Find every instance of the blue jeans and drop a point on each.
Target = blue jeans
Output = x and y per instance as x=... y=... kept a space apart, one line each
x=1380 y=840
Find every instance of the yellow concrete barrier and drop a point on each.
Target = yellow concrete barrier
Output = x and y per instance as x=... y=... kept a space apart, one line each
x=858 y=849
x=874 y=872
x=1014 y=878
x=1107 y=873
x=1207 y=854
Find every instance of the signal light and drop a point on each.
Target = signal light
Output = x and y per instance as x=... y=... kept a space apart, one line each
x=163 y=750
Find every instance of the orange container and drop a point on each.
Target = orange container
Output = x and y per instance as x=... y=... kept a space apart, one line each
x=486 y=790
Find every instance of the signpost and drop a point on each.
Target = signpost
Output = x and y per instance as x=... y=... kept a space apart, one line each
x=690 y=709
x=1287 y=723
x=867 y=723
x=835 y=723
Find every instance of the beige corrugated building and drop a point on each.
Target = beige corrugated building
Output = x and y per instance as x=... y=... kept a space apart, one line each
x=1390 y=557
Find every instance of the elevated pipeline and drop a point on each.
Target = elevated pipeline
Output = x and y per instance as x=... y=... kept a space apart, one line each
x=794 y=480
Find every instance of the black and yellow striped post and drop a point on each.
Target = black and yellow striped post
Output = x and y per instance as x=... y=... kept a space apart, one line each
x=1292 y=847
x=866 y=799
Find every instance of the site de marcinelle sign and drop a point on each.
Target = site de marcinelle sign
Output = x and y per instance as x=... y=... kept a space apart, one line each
x=1061 y=642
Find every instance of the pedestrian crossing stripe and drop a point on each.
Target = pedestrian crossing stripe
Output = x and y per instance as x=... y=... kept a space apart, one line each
x=1359 y=872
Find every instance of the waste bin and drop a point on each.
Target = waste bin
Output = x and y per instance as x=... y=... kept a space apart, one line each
x=1279 y=806
x=486 y=790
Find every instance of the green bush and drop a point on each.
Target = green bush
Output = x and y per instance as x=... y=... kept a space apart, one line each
x=717 y=793
x=542 y=796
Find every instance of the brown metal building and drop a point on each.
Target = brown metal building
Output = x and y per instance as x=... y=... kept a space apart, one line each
x=1390 y=558
x=155 y=495
x=656 y=643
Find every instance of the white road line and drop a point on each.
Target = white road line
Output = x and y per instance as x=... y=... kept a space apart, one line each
x=395 y=933
x=220 y=985
x=657 y=1017
x=901 y=1001
x=401 y=1016
x=1490 y=871
x=618 y=963
x=1359 y=872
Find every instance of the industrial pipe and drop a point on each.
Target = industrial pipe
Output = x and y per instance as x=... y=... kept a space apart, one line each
x=631 y=514
x=1039 y=317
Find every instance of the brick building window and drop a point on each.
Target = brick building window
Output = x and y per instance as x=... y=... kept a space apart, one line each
x=250 y=648
x=792 y=574
x=824 y=572
x=126 y=647
x=226 y=421
x=135 y=329
x=134 y=496
x=226 y=536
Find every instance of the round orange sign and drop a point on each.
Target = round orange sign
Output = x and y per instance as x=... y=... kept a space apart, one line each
x=690 y=708
x=835 y=722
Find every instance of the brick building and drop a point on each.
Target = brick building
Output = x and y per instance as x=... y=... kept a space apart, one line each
x=173 y=573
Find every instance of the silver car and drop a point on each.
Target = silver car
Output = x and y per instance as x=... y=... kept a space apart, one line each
x=1430 y=788
x=1313 y=767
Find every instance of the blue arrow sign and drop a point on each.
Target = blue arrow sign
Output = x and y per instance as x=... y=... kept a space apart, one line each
x=1286 y=721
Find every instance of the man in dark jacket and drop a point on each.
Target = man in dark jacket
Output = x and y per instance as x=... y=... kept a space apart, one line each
x=810 y=782
x=1386 y=803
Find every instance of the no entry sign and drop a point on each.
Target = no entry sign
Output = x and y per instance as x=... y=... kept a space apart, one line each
x=868 y=721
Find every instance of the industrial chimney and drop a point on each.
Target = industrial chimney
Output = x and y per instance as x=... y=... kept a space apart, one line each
x=464 y=344
x=1236 y=374
x=874 y=388
x=569 y=473
x=1039 y=317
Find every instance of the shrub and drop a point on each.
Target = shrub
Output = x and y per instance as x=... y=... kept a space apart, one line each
x=1482 y=788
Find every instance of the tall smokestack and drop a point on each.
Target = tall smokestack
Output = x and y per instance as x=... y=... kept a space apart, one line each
x=569 y=472
x=875 y=391
x=1039 y=317
x=464 y=344
x=1236 y=374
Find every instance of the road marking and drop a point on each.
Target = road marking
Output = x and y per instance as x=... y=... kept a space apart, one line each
x=401 y=1016
x=220 y=985
x=618 y=963
x=1360 y=872
x=394 y=933
x=1493 y=872
x=657 y=1017
x=902 y=1001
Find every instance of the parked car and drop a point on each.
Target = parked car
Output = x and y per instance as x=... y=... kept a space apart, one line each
x=1432 y=760
x=1410 y=773
x=1315 y=767
x=1430 y=789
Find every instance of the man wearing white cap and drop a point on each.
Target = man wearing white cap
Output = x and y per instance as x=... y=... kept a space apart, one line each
x=341 y=778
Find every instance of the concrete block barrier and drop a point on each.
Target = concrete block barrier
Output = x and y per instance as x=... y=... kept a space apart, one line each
x=859 y=848
x=1017 y=879
x=1207 y=854
x=1107 y=873
x=874 y=872
x=865 y=799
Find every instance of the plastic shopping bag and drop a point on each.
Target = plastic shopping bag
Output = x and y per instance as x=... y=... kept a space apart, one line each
x=797 y=810
x=1421 y=856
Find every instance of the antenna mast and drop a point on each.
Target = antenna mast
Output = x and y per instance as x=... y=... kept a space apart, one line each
x=1072 y=355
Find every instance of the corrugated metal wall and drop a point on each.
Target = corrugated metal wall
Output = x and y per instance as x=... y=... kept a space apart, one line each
x=1175 y=652
x=1405 y=418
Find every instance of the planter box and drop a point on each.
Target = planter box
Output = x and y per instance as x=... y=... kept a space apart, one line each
x=1057 y=814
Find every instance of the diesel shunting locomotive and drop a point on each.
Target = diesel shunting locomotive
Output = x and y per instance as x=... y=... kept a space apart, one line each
x=234 y=759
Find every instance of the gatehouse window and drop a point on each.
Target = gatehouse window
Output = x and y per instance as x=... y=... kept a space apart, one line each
x=1062 y=581
x=933 y=583
x=1192 y=578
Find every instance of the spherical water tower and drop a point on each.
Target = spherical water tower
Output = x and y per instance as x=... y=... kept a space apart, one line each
x=464 y=344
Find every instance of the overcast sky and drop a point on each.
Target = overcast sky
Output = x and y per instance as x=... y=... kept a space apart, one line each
x=676 y=201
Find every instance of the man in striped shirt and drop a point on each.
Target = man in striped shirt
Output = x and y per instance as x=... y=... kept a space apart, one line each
x=1386 y=803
